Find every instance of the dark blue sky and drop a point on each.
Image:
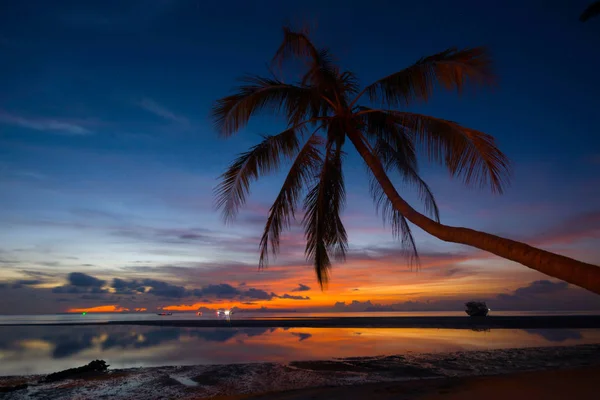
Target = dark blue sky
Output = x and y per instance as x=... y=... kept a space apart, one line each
x=105 y=129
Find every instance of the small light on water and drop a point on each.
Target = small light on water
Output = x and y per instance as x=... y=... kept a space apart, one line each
x=83 y=313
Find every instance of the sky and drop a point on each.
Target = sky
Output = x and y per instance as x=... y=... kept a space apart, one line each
x=108 y=156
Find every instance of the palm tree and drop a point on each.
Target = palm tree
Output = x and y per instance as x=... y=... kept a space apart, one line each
x=322 y=111
x=593 y=10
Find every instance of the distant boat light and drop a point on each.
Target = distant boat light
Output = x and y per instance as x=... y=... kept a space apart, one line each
x=224 y=313
x=83 y=313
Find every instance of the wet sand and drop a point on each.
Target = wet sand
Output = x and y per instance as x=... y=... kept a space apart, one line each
x=571 y=372
x=580 y=383
x=492 y=322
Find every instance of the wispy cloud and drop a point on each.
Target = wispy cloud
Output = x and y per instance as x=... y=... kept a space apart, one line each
x=301 y=288
x=162 y=111
x=579 y=227
x=41 y=124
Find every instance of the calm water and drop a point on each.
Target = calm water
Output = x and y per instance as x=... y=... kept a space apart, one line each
x=44 y=349
x=106 y=317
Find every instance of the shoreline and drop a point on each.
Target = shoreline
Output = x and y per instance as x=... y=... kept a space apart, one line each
x=490 y=322
x=325 y=378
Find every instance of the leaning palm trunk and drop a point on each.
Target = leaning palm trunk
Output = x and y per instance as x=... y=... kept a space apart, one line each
x=567 y=269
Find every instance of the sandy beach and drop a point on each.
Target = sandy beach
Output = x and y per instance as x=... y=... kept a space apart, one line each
x=563 y=372
x=579 y=383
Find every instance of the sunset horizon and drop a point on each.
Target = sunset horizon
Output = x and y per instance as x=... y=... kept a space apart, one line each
x=108 y=173
x=326 y=200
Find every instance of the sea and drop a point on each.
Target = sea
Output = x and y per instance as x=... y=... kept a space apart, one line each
x=50 y=346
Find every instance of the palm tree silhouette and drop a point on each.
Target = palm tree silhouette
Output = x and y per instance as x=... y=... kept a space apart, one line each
x=322 y=111
x=593 y=10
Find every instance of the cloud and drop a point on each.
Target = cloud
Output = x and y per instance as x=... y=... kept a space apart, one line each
x=170 y=236
x=37 y=274
x=301 y=288
x=258 y=294
x=49 y=125
x=226 y=291
x=157 y=109
x=81 y=279
x=541 y=287
x=220 y=291
x=150 y=286
x=81 y=283
x=534 y=289
x=393 y=252
x=122 y=286
x=448 y=272
x=292 y=297
x=192 y=236
x=26 y=282
x=354 y=306
x=68 y=289
x=87 y=214
x=583 y=226
x=164 y=289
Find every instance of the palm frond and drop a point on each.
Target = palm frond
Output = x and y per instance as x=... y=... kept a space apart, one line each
x=593 y=10
x=400 y=228
x=451 y=68
x=301 y=173
x=467 y=153
x=381 y=125
x=350 y=83
x=383 y=205
x=322 y=73
x=323 y=227
x=396 y=150
x=393 y=158
x=295 y=45
x=259 y=160
x=232 y=112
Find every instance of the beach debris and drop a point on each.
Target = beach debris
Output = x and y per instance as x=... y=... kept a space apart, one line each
x=185 y=381
x=8 y=389
x=96 y=366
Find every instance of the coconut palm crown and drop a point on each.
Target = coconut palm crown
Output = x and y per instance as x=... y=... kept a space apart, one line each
x=325 y=109
x=320 y=109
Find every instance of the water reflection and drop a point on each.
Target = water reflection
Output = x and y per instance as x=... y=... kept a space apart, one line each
x=556 y=335
x=44 y=349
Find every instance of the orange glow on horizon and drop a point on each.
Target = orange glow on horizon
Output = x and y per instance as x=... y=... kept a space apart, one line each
x=107 y=308
x=438 y=279
x=183 y=307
